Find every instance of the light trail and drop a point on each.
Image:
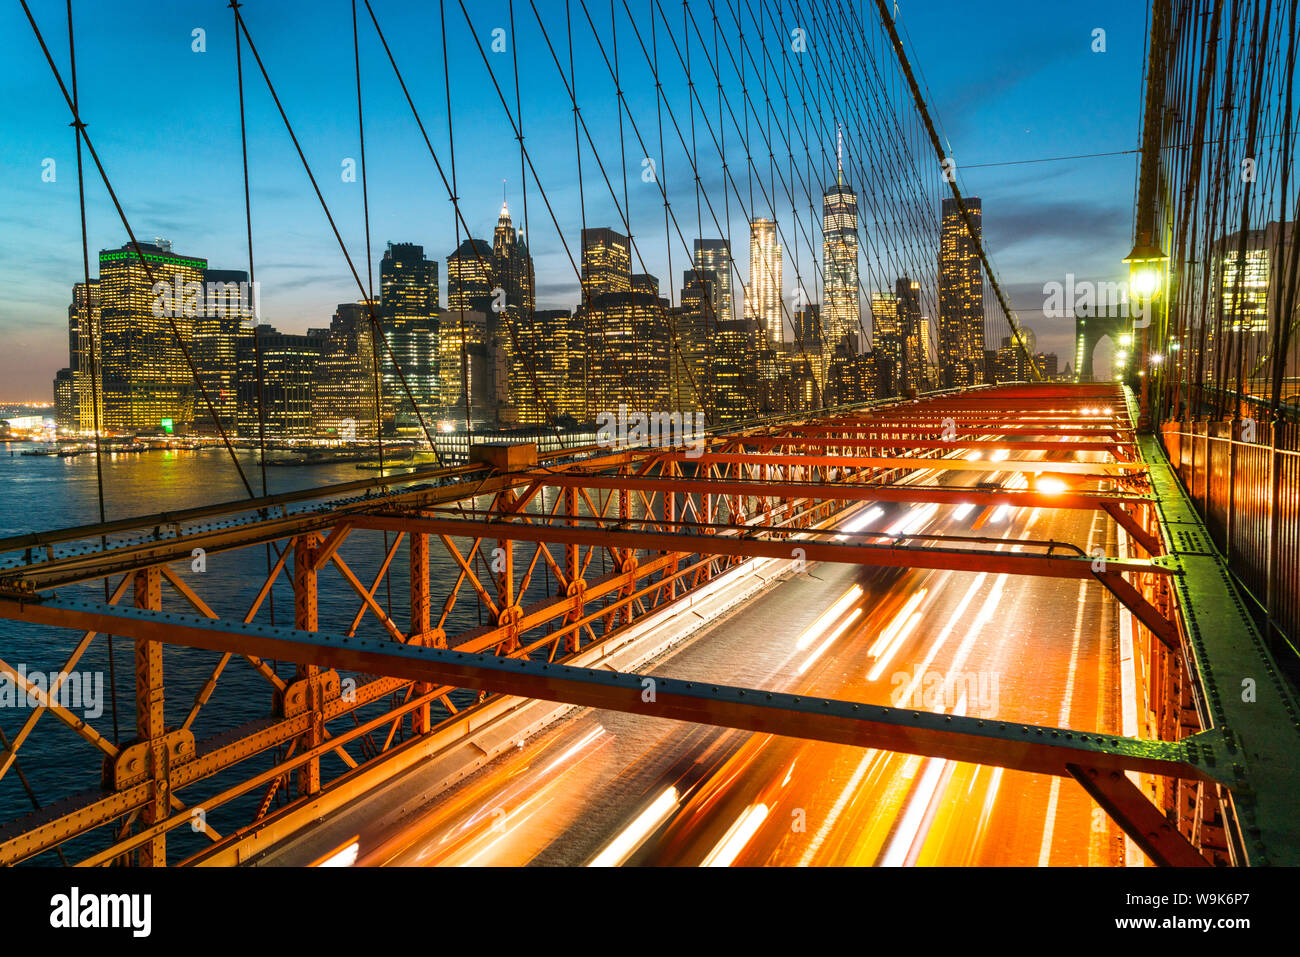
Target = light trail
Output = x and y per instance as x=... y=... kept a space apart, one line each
x=829 y=641
x=815 y=630
x=887 y=634
x=619 y=849
x=737 y=836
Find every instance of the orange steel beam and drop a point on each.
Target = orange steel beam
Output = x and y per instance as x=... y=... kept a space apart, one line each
x=839 y=442
x=858 y=491
x=305 y=619
x=149 y=721
x=961 y=427
x=1141 y=820
x=928 y=414
x=1042 y=750
x=1085 y=470
x=744 y=542
x=67 y=821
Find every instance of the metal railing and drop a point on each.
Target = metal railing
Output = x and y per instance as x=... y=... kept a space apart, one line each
x=1244 y=477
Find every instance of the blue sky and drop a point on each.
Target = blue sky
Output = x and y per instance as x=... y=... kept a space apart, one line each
x=1010 y=80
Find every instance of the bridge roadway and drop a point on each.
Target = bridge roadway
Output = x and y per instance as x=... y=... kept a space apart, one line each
x=608 y=787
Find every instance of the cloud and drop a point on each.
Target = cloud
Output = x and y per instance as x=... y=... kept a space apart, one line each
x=1030 y=220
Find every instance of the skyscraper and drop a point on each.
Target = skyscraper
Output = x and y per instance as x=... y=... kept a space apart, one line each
x=692 y=345
x=219 y=329
x=469 y=277
x=462 y=361
x=343 y=397
x=409 y=309
x=512 y=265
x=552 y=345
x=145 y=378
x=627 y=348
x=65 y=401
x=961 y=297
x=714 y=255
x=887 y=333
x=726 y=378
x=840 y=259
x=606 y=262
x=763 y=296
x=84 y=316
x=1013 y=361
x=914 y=331
x=408 y=284
x=288 y=374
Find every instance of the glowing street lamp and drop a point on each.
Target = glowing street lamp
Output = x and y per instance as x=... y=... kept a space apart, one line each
x=1146 y=265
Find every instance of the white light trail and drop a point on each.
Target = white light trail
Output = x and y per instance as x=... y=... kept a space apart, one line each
x=821 y=649
x=894 y=645
x=821 y=624
x=887 y=634
x=737 y=836
x=619 y=849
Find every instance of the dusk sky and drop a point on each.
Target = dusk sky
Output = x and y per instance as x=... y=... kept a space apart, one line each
x=1010 y=81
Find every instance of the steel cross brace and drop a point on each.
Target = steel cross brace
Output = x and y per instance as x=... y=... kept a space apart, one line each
x=768 y=542
x=1023 y=747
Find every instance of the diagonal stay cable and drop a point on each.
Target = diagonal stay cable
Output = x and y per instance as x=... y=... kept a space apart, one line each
x=103 y=174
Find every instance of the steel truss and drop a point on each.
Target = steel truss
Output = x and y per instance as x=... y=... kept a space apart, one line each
x=663 y=521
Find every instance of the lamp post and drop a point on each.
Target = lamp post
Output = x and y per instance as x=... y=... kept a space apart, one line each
x=1148 y=265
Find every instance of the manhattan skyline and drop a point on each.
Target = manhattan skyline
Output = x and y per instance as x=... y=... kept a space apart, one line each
x=191 y=197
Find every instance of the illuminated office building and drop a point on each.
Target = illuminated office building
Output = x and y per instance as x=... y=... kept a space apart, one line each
x=763 y=295
x=795 y=388
x=887 y=334
x=627 y=341
x=466 y=360
x=65 y=401
x=714 y=255
x=469 y=277
x=961 y=297
x=414 y=346
x=343 y=394
x=83 y=318
x=1012 y=363
x=408 y=285
x=606 y=262
x=692 y=341
x=854 y=376
x=840 y=260
x=914 y=335
x=145 y=378
x=225 y=321
x=553 y=342
x=512 y=266
x=719 y=369
x=732 y=386
x=928 y=354
x=809 y=340
x=289 y=367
